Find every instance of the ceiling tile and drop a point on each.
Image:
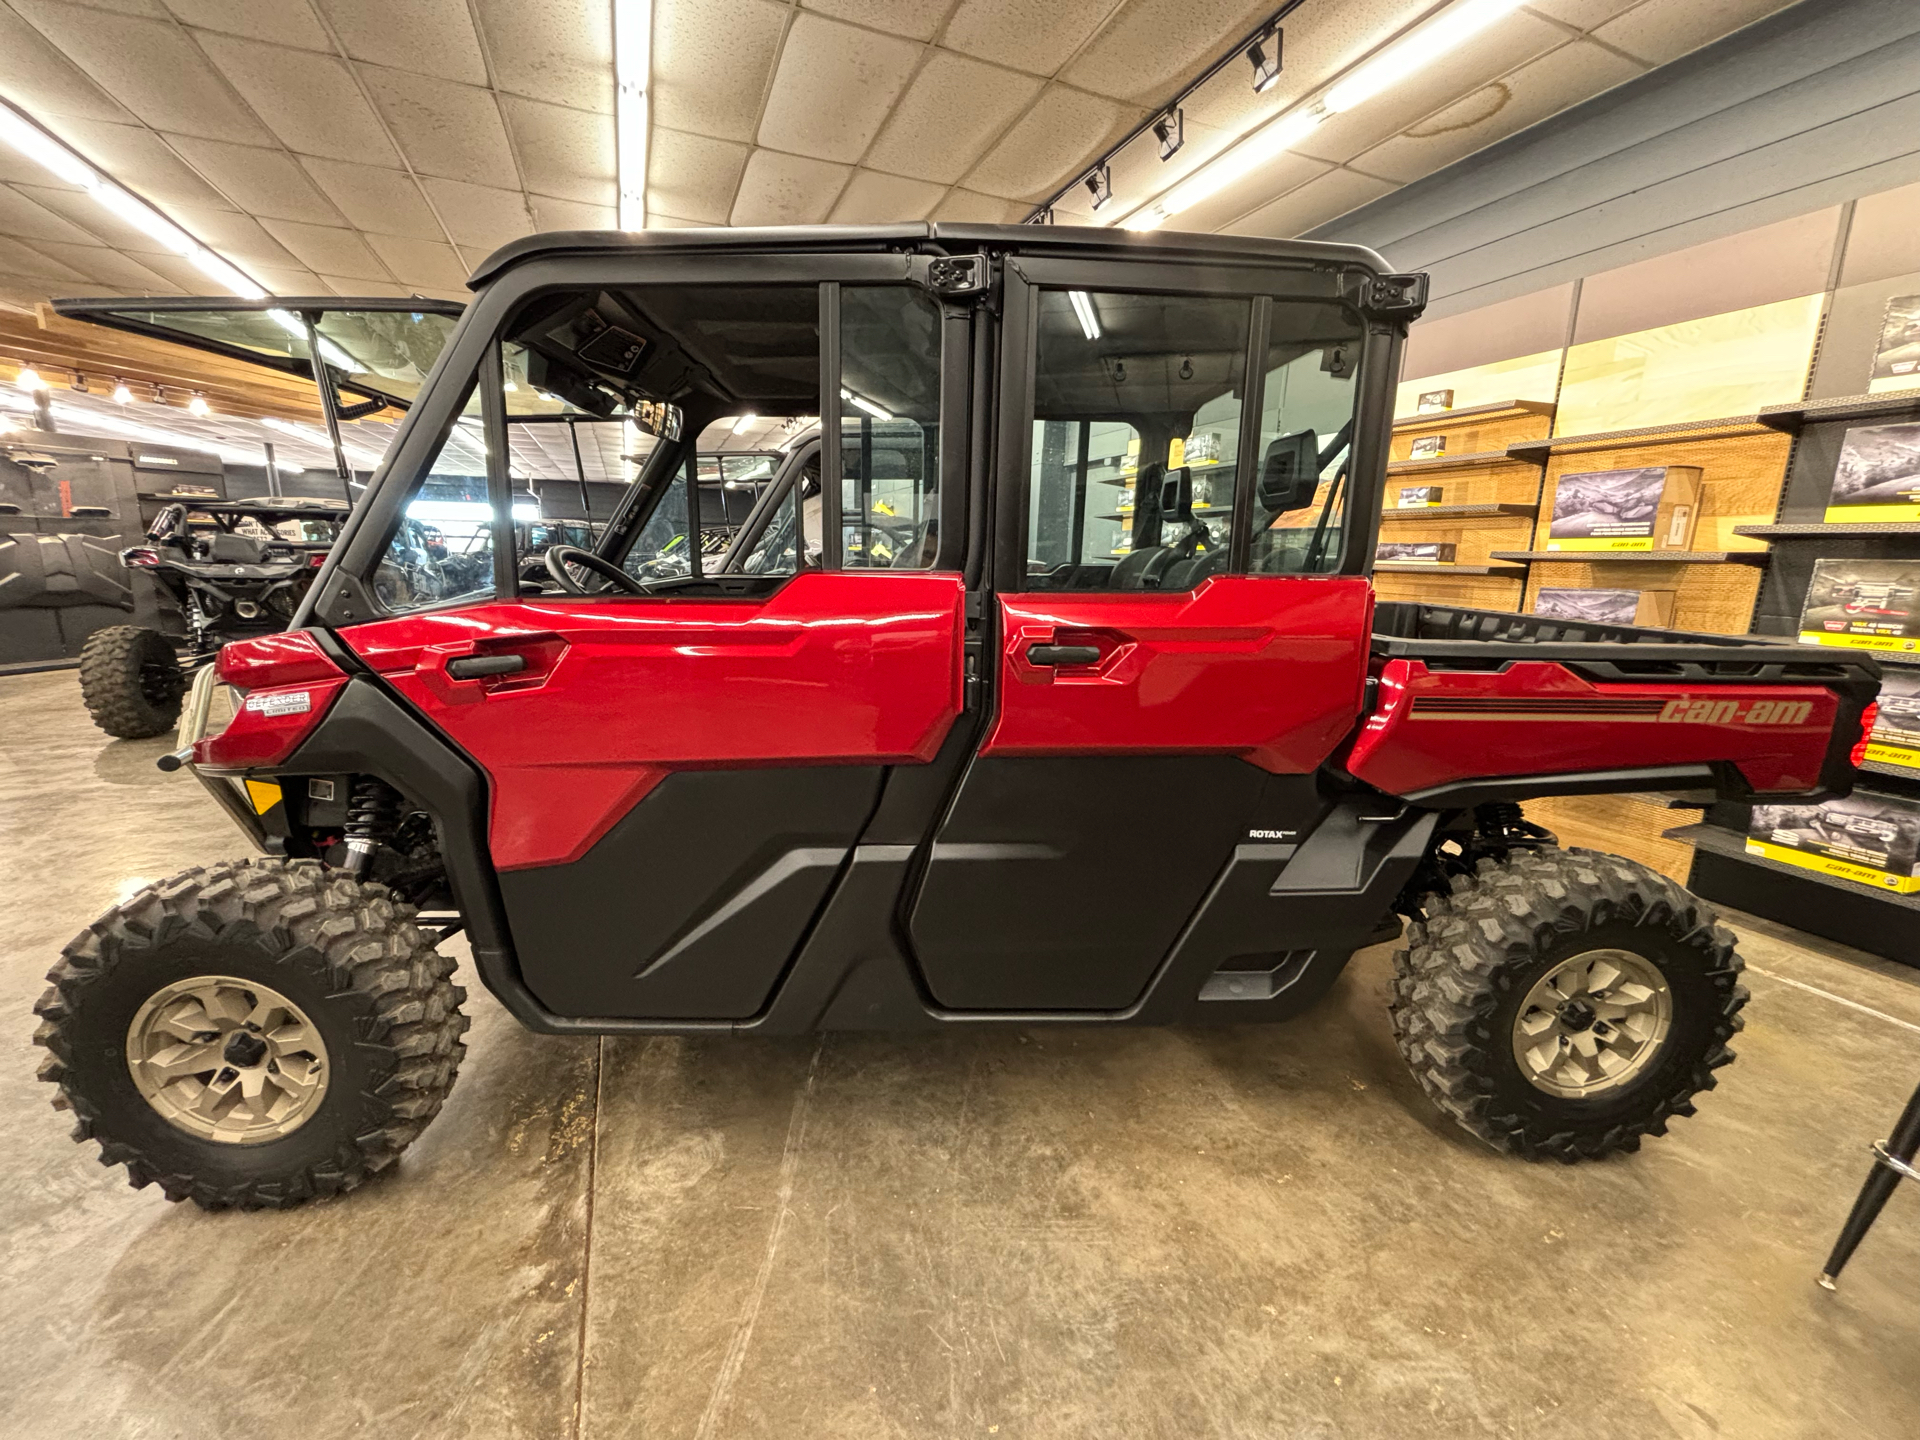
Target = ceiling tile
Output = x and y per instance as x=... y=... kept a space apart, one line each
x=376 y=199
x=970 y=206
x=1156 y=46
x=875 y=199
x=560 y=51
x=954 y=110
x=1038 y=36
x=152 y=9
x=1314 y=203
x=1064 y=129
x=309 y=101
x=915 y=19
x=348 y=286
x=428 y=37
x=260 y=182
x=285 y=22
x=288 y=281
x=420 y=263
x=327 y=249
x=25 y=218
x=674 y=222
x=785 y=190
x=149 y=66
x=444 y=128
x=552 y=214
x=42 y=81
x=1663 y=30
x=693 y=175
x=1280 y=176
x=141 y=161
x=20 y=259
x=1585 y=14
x=106 y=267
x=479 y=214
x=1530 y=94
x=1321 y=41
x=565 y=153
x=711 y=62
x=833 y=88
x=78 y=208
x=238 y=237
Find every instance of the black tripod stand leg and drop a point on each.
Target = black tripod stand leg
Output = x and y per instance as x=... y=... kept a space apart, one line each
x=1893 y=1159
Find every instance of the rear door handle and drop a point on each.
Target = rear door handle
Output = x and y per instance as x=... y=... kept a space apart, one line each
x=1064 y=654
x=478 y=667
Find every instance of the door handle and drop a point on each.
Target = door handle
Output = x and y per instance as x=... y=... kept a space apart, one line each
x=1064 y=654
x=478 y=667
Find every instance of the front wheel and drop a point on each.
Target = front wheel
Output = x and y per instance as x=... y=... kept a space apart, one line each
x=252 y=1034
x=131 y=681
x=1561 y=1004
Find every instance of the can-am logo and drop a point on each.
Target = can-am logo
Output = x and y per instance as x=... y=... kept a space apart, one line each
x=1737 y=712
x=299 y=702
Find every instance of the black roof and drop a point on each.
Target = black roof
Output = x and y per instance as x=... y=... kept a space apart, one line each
x=931 y=234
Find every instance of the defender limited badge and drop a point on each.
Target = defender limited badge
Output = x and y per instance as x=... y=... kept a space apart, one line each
x=298 y=703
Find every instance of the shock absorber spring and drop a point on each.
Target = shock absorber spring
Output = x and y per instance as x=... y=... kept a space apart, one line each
x=372 y=812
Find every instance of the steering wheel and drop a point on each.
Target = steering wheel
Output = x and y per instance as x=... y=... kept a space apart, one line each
x=558 y=557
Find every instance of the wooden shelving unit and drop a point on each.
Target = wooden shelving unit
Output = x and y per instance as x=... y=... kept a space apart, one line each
x=1443 y=569
x=1634 y=557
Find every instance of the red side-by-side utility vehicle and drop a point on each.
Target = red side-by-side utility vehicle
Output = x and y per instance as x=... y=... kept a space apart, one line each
x=1050 y=689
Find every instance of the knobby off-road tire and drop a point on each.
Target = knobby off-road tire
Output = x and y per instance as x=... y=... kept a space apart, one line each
x=1501 y=945
x=373 y=1000
x=131 y=681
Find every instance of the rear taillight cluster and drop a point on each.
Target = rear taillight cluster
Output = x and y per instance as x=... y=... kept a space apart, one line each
x=286 y=683
x=1867 y=719
x=143 y=557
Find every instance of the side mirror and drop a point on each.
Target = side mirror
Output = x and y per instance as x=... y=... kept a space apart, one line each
x=1289 y=473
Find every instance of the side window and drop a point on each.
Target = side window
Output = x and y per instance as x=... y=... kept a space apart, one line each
x=889 y=427
x=441 y=552
x=1136 y=439
x=1306 y=432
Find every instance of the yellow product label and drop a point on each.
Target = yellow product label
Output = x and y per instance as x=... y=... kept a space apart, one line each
x=1176 y=453
x=1870 y=514
x=1839 y=869
x=1902 y=755
x=1899 y=643
x=264 y=794
x=1602 y=542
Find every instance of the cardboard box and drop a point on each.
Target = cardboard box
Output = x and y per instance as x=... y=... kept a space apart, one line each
x=1895 y=739
x=1415 y=552
x=1870 y=839
x=1418 y=497
x=1863 y=605
x=1651 y=508
x=1433 y=400
x=1606 y=607
x=1428 y=447
x=1877 y=478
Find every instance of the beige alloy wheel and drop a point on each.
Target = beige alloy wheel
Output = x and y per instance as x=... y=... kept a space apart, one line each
x=1592 y=1024
x=227 y=1059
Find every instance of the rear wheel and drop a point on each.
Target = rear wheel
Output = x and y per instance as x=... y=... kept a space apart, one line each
x=252 y=1034
x=131 y=681
x=1561 y=1004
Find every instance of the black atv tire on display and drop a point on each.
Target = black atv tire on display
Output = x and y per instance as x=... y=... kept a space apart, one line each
x=131 y=681
x=1561 y=1004
x=252 y=1034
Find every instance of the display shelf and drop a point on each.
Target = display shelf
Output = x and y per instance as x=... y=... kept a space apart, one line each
x=1430 y=567
x=1200 y=512
x=1456 y=512
x=1889 y=772
x=1792 y=418
x=165 y=495
x=1494 y=410
x=1892 y=657
x=1720 y=841
x=1725 y=428
x=1446 y=462
x=1128 y=477
x=1877 y=921
x=1817 y=529
x=1641 y=557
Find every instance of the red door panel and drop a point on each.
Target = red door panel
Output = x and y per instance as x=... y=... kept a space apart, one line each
x=1268 y=669
x=615 y=694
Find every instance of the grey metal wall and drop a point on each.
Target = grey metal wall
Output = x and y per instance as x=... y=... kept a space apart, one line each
x=1811 y=107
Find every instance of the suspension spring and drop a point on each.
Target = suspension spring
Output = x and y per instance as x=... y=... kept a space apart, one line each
x=372 y=813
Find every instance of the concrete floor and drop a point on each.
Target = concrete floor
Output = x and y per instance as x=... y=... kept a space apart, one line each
x=1252 y=1234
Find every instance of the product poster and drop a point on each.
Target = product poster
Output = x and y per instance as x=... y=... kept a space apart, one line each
x=1878 y=476
x=1602 y=607
x=1418 y=497
x=1418 y=552
x=1896 y=362
x=1863 y=605
x=1871 y=839
x=1896 y=727
x=1645 y=509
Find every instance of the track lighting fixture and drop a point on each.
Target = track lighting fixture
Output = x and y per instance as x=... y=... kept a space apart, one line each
x=1171 y=131
x=122 y=395
x=80 y=384
x=1266 y=69
x=1099 y=183
x=198 y=405
x=29 y=379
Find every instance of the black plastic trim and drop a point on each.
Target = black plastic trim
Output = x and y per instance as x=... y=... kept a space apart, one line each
x=1462 y=794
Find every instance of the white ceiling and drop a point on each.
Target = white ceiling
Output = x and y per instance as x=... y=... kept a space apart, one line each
x=385 y=146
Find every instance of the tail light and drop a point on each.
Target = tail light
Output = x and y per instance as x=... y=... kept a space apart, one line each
x=144 y=556
x=1867 y=719
x=316 y=561
x=286 y=683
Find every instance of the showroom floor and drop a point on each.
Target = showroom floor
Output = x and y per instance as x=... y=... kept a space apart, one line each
x=1254 y=1233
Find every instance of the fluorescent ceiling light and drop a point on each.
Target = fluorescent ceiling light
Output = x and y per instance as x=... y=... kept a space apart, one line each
x=1083 y=308
x=742 y=423
x=66 y=166
x=1395 y=63
x=632 y=68
x=80 y=422
x=318 y=437
x=861 y=402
